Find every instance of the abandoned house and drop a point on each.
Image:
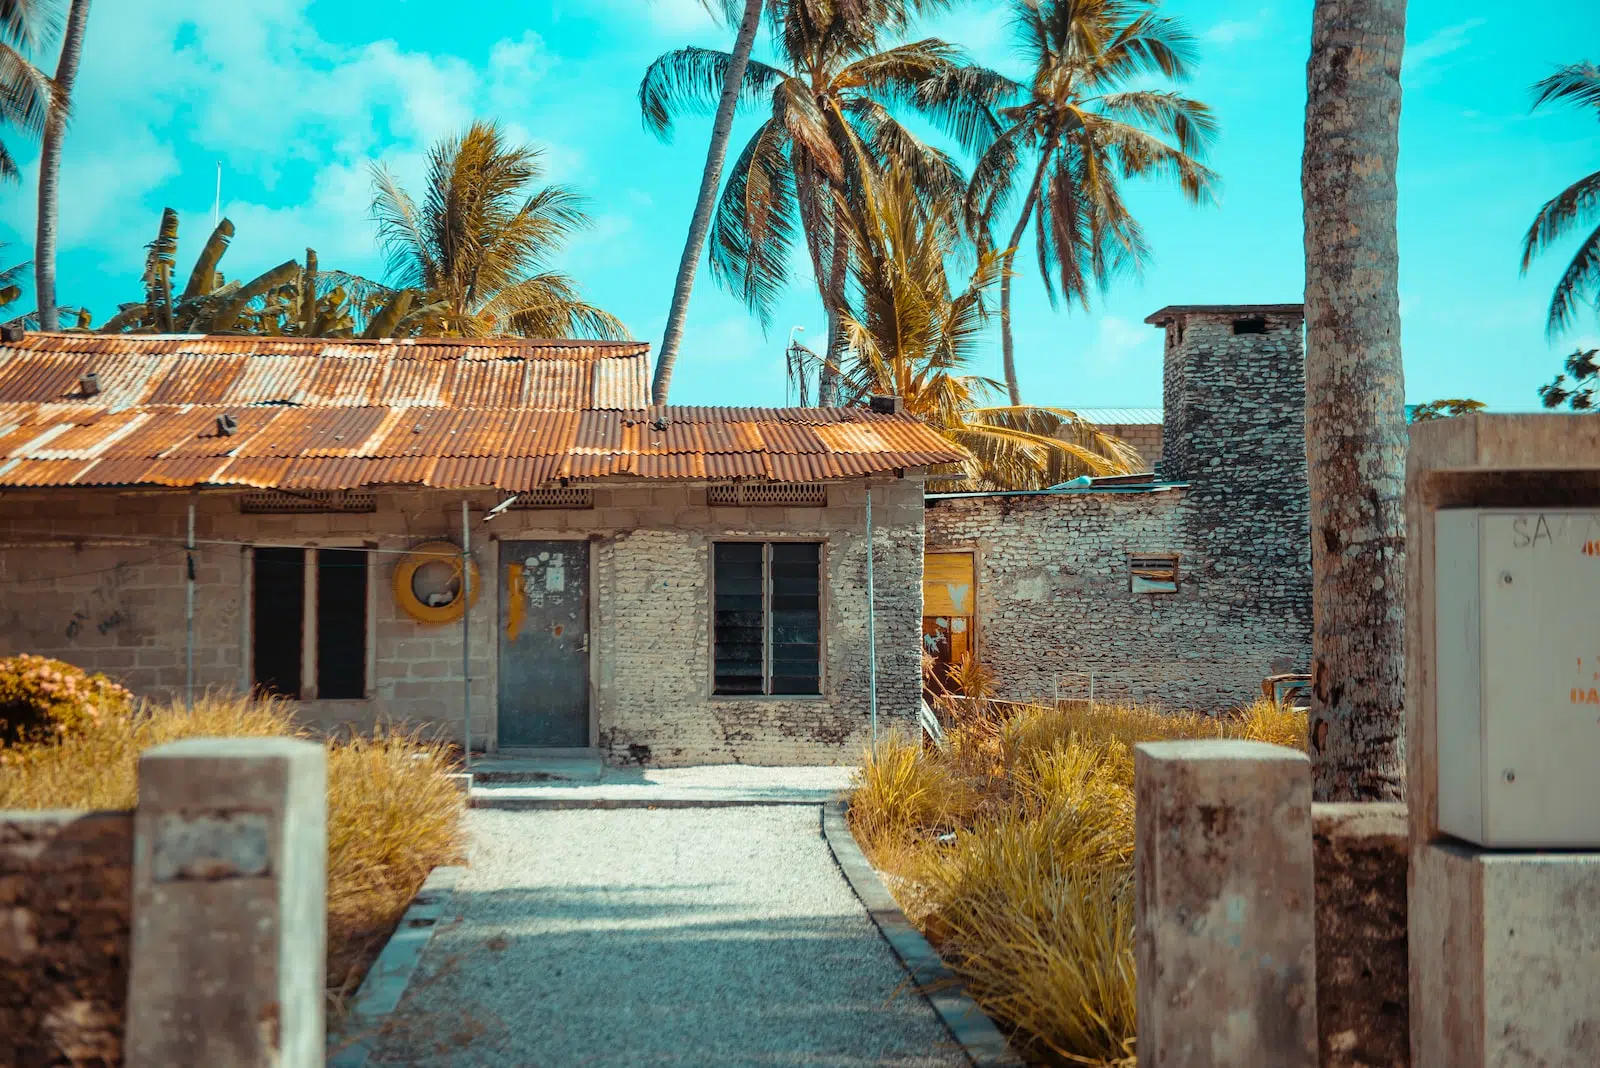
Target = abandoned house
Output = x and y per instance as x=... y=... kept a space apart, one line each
x=663 y=585
x=1184 y=587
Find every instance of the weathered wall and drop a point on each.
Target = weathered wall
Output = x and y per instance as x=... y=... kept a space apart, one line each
x=1053 y=590
x=65 y=917
x=119 y=608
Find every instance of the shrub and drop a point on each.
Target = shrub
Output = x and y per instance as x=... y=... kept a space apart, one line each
x=42 y=699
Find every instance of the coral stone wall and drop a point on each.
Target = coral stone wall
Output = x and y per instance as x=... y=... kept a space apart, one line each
x=76 y=587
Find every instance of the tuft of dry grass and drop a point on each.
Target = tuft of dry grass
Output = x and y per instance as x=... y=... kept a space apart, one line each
x=1012 y=849
x=392 y=813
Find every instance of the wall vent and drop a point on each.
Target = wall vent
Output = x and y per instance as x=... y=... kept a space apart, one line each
x=266 y=502
x=769 y=494
x=555 y=497
x=1153 y=573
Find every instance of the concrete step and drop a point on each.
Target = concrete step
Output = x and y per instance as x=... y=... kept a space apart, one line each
x=561 y=766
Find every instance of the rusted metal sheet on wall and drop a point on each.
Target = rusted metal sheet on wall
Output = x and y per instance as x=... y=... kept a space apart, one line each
x=543 y=699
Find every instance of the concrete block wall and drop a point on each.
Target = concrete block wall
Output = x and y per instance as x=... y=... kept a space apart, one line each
x=71 y=591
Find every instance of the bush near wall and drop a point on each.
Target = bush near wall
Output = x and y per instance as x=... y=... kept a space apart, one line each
x=392 y=812
x=1012 y=850
x=41 y=699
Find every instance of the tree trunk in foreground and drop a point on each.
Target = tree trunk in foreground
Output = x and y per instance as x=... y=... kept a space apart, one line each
x=55 y=128
x=1355 y=415
x=710 y=180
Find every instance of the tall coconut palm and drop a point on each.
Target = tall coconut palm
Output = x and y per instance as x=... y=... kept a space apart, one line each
x=26 y=26
x=705 y=201
x=479 y=245
x=1080 y=131
x=55 y=128
x=831 y=122
x=1355 y=400
x=911 y=335
x=1576 y=206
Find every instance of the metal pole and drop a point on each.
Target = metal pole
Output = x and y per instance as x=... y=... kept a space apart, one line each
x=466 y=613
x=872 y=630
x=188 y=617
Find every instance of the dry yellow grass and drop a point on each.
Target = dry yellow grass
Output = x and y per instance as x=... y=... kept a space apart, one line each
x=1032 y=901
x=392 y=815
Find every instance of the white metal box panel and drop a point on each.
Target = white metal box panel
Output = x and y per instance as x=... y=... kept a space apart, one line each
x=1517 y=596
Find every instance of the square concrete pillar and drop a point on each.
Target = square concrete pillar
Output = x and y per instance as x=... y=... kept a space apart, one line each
x=1225 y=932
x=229 y=904
x=1505 y=958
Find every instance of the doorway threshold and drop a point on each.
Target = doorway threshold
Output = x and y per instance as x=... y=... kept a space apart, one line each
x=538 y=765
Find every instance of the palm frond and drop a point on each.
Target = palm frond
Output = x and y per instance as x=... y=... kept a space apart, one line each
x=1578 y=83
x=688 y=81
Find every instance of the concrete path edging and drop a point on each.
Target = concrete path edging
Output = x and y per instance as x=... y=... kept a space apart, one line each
x=386 y=981
x=977 y=1035
x=534 y=804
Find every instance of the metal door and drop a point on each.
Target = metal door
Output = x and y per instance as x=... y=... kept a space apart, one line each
x=544 y=644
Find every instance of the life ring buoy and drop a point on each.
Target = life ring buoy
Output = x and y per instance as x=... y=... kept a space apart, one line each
x=405 y=572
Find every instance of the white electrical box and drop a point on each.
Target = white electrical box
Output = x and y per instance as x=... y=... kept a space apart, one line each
x=1517 y=595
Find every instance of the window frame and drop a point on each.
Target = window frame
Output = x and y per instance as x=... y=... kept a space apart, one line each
x=1177 y=573
x=309 y=650
x=823 y=601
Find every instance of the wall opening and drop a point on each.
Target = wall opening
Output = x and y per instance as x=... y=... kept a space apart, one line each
x=1255 y=324
x=1153 y=573
x=278 y=619
x=341 y=624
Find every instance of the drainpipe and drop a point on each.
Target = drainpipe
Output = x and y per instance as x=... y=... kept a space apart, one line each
x=872 y=630
x=466 y=614
x=188 y=617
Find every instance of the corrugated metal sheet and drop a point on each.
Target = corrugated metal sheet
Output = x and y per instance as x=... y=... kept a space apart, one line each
x=318 y=415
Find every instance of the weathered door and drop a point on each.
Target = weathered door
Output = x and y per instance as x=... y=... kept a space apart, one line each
x=544 y=644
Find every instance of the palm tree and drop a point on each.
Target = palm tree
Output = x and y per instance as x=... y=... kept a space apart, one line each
x=831 y=124
x=911 y=336
x=1355 y=401
x=1575 y=206
x=9 y=277
x=479 y=245
x=55 y=127
x=1084 y=129
x=25 y=91
x=710 y=178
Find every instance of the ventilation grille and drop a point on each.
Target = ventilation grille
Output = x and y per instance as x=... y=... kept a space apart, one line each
x=279 y=501
x=776 y=494
x=1154 y=573
x=557 y=497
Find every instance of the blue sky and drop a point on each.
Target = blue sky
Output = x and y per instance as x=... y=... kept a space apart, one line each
x=296 y=97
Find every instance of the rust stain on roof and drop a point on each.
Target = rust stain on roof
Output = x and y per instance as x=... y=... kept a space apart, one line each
x=312 y=414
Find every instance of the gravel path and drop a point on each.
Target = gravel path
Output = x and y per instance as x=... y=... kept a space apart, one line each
x=668 y=937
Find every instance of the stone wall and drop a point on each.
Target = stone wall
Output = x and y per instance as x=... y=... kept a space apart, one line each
x=1052 y=569
x=65 y=921
x=75 y=592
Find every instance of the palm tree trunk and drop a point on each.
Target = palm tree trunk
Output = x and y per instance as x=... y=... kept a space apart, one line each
x=44 y=252
x=833 y=298
x=700 y=223
x=1007 y=351
x=1355 y=418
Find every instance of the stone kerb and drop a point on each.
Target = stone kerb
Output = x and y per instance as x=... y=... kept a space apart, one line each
x=1225 y=905
x=229 y=904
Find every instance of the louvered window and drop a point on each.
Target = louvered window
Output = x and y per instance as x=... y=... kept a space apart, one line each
x=556 y=497
x=270 y=502
x=768 y=617
x=769 y=494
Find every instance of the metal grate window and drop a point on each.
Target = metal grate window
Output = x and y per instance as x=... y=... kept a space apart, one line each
x=774 y=494
x=555 y=497
x=767 y=599
x=1153 y=573
x=281 y=501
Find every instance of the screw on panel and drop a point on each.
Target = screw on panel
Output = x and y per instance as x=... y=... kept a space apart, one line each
x=1505 y=577
x=1511 y=776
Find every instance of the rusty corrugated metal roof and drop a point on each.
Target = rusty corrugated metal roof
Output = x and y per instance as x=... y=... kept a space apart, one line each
x=308 y=414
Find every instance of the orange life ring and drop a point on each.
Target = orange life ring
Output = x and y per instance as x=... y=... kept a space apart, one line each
x=405 y=595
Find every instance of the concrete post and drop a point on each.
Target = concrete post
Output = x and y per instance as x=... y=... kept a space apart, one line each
x=229 y=904
x=1225 y=931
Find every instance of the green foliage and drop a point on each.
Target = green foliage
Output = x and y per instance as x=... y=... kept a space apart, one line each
x=27 y=27
x=42 y=699
x=1444 y=409
x=1573 y=209
x=476 y=253
x=1578 y=393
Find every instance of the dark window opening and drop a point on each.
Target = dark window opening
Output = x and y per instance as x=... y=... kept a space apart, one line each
x=1156 y=573
x=1254 y=325
x=279 y=620
x=767 y=631
x=341 y=624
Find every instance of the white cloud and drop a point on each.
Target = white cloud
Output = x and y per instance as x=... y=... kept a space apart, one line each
x=1230 y=31
x=1425 y=60
x=1116 y=340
